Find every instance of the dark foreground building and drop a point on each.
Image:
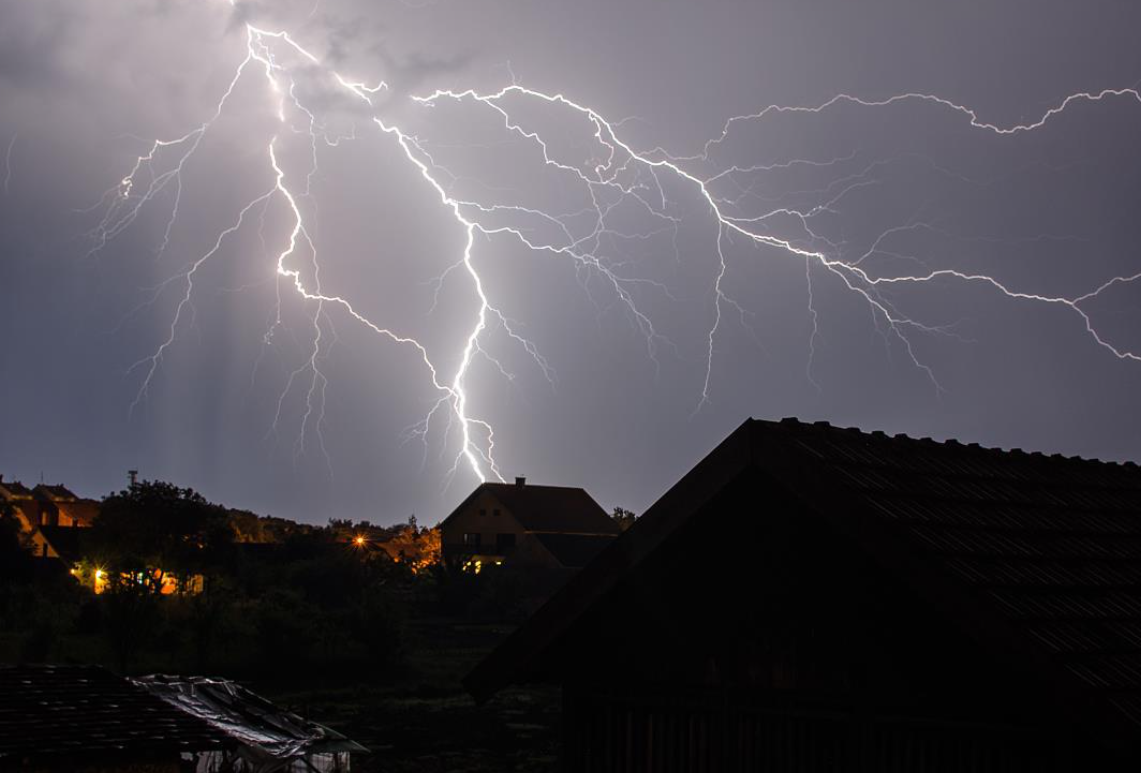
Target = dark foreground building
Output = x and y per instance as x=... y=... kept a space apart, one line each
x=811 y=598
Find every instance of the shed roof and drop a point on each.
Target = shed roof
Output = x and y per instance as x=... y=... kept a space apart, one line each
x=71 y=710
x=556 y=509
x=1037 y=557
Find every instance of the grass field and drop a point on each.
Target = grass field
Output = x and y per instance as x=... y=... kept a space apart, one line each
x=422 y=720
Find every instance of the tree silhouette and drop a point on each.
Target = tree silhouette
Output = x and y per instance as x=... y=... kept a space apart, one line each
x=153 y=530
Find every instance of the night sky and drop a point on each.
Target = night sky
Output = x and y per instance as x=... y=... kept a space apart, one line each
x=611 y=246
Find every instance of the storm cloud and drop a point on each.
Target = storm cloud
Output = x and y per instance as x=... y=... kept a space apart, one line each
x=615 y=389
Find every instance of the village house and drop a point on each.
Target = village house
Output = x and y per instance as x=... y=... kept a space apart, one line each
x=54 y=521
x=810 y=598
x=552 y=527
x=25 y=508
x=58 y=506
x=43 y=511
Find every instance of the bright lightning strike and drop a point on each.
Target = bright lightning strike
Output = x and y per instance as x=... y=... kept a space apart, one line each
x=617 y=175
x=8 y=163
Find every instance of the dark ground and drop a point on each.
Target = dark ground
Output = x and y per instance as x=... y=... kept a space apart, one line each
x=422 y=720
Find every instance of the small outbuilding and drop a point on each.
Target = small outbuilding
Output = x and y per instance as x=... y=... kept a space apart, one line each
x=810 y=598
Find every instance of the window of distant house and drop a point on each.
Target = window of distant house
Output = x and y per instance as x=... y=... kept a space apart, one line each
x=483 y=511
x=495 y=511
x=504 y=541
x=471 y=539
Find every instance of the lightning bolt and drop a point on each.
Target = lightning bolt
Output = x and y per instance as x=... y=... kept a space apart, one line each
x=615 y=176
x=8 y=162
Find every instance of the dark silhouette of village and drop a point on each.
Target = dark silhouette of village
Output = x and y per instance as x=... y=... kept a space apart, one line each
x=806 y=598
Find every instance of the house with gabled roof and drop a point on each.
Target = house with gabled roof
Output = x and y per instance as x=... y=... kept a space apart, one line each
x=59 y=506
x=550 y=526
x=21 y=504
x=810 y=598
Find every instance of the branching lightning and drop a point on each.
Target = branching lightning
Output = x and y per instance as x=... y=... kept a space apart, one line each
x=618 y=175
x=8 y=162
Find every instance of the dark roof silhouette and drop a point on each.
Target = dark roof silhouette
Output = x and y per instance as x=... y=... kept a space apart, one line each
x=63 y=711
x=71 y=543
x=556 y=509
x=574 y=550
x=84 y=511
x=15 y=488
x=1036 y=557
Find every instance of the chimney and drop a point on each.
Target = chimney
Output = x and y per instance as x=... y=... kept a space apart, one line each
x=133 y=475
x=520 y=481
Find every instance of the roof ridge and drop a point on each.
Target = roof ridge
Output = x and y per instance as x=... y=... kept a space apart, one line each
x=825 y=426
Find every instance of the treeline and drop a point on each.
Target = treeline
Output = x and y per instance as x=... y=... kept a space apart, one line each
x=183 y=592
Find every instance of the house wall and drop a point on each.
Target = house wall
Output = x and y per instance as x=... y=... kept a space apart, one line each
x=25 y=513
x=532 y=553
x=479 y=517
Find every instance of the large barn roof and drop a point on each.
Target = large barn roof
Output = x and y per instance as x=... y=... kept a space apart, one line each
x=556 y=509
x=1037 y=557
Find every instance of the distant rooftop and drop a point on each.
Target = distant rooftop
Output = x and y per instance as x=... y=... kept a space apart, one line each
x=558 y=509
x=14 y=489
x=56 y=492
